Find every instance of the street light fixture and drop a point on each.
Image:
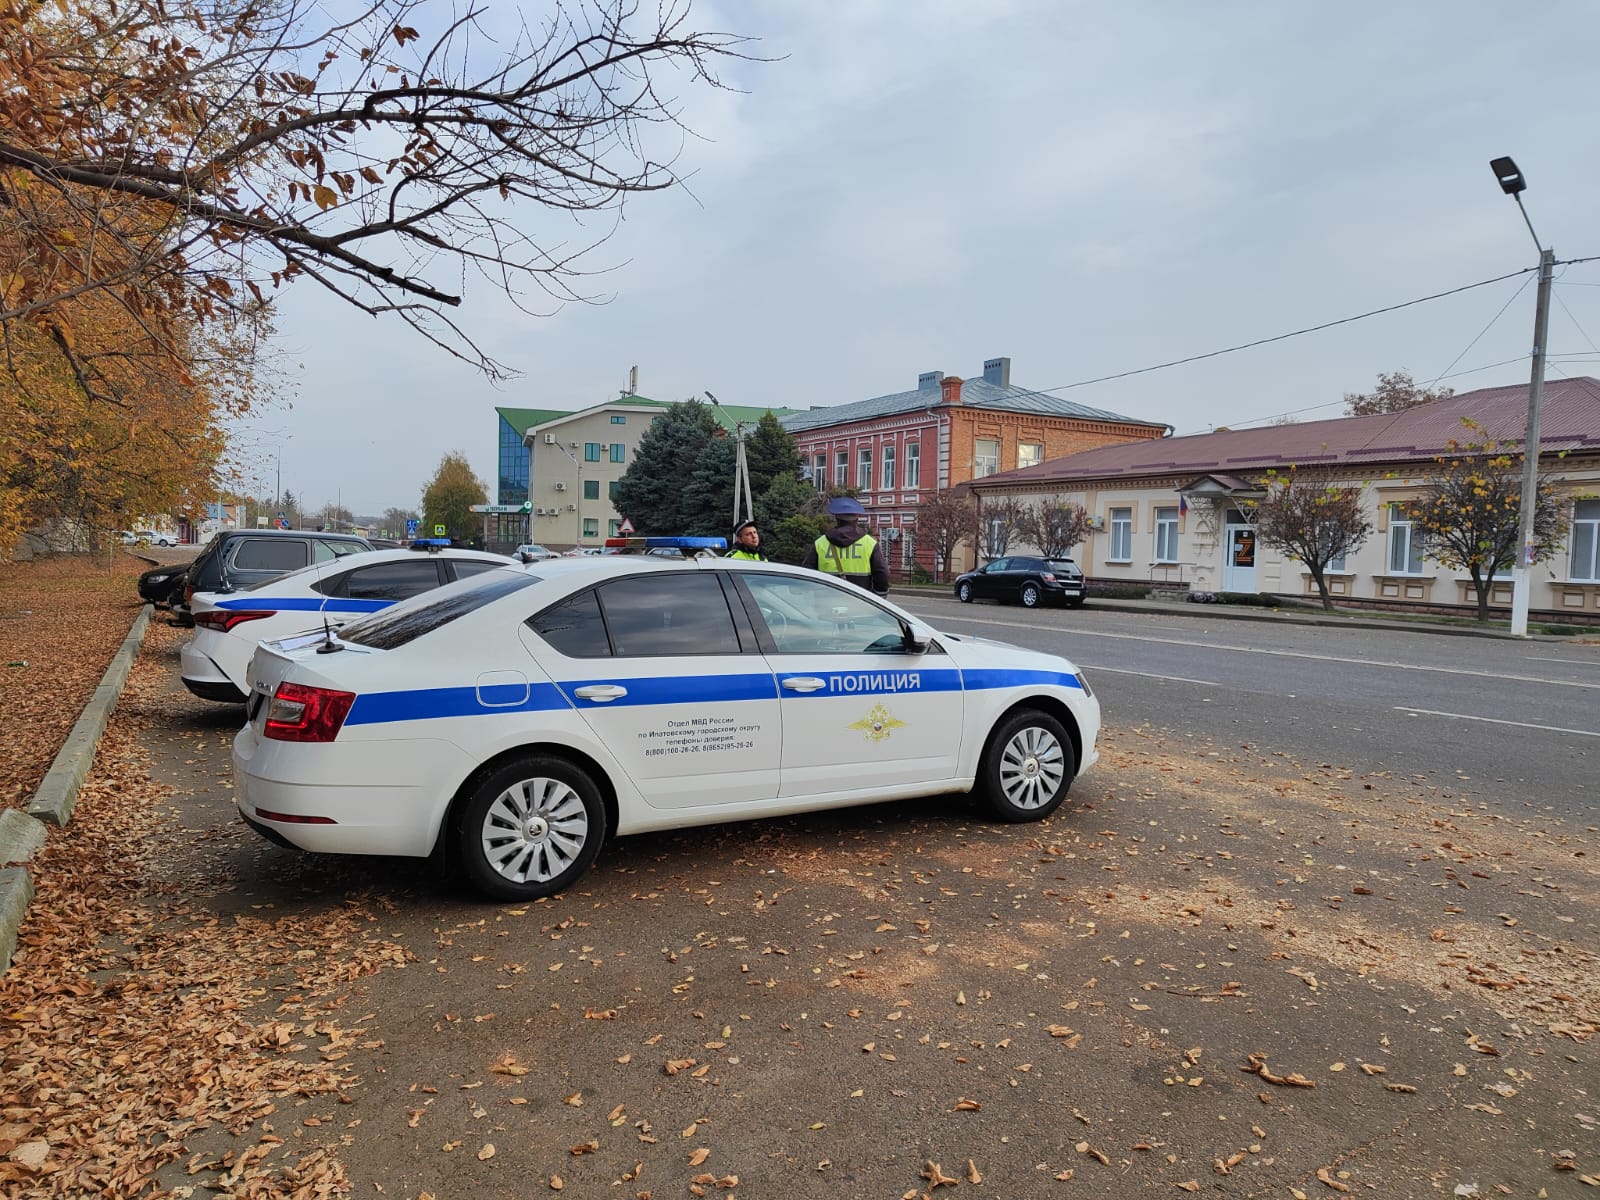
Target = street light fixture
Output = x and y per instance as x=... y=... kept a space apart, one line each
x=1513 y=184
x=741 y=470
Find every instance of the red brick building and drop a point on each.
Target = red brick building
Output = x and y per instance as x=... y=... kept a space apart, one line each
x=896 y=450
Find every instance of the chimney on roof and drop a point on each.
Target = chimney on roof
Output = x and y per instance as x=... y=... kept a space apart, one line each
x=997 y=371
x=929 y=380
x=950 y=389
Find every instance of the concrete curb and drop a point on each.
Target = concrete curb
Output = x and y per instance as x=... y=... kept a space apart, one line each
x=22 y=834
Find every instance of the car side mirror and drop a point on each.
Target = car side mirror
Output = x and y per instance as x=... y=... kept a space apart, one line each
x=915 y=642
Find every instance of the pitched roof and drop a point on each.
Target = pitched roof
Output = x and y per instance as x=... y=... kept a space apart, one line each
x=524 y=419
x=975 y=393
x=726 y=415
x=1569 y=419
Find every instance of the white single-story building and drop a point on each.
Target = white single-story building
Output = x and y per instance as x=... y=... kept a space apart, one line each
x=1177 y=511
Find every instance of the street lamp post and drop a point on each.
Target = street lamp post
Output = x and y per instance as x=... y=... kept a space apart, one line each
x=1512 y=184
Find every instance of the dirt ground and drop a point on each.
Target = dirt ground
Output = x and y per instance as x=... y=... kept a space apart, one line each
x=1222 y=972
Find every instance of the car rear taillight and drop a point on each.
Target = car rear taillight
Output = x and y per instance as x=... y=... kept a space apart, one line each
x=224 y=619
x=1048 y=577
x=297 y=713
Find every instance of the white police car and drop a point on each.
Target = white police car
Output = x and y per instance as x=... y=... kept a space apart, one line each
x=516 y=720
x=228 y=625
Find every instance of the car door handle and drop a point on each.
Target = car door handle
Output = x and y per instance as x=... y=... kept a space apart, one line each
x=805 y=683
x=600 y=693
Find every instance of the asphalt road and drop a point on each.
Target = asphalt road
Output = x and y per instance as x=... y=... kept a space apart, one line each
x=1516 y=723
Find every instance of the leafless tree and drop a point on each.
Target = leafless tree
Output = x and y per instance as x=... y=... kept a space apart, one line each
x=1313 y=521
x=945 y=520
x=1052 y=526
x=1396 y=392
x=999 y=521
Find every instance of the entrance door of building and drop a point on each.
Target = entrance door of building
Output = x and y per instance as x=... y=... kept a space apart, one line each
x=1239 y=559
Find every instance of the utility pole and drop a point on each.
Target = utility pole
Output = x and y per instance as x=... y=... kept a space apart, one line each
x=741 y=471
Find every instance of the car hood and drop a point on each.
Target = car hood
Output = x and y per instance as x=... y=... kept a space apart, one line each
x=975 y=653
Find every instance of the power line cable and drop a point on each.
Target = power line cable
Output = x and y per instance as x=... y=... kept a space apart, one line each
x=1520 y=289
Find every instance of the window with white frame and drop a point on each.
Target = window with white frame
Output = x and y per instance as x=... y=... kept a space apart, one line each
x=1029 y=454
x=819 y=472
x=1405 y=551
x=908 y=549
x=1121 y=535
x=985 y=457
x=913 y=474
x=841 y=469
x=887 y=483
x=1167 y=534
x=864 y=469
x=1585 y=542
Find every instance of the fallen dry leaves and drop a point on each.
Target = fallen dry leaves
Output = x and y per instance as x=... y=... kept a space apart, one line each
x=130 y=1019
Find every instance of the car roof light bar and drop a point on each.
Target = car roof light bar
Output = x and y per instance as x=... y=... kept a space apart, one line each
x=627 y=544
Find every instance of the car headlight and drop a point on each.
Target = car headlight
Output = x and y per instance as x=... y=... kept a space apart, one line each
x=1083 y=682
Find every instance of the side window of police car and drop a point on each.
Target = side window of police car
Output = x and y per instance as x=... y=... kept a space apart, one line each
x=391 y=580
x=810 y=616
x=643 y=617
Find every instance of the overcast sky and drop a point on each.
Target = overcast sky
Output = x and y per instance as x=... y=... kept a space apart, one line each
x=1088 y=188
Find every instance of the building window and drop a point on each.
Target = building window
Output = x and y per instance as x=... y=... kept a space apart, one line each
x=613 y=528
x=908 y=549
x=611 y=490
x=591 y=489
x=864 y=469
x=618 y=419
x=985 y=457
x=1585 y=542
x=1405 y=555
x=617 y=451
x=841 y=469
x=819 y=472
x=888 y=469
x=591 y=527
x=591 y=452
x=1167 y=535
x=1121 y=535
x=1335 y=565
x=913 y=477
x=1029 y=454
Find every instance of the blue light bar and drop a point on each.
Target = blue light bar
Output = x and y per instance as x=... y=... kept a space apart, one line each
x=685 y=543
x=429 y=543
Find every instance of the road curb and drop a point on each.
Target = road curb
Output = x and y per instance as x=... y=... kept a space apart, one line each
x=58 y=793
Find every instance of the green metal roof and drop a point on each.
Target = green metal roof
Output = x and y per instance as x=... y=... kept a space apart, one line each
x=726 y=415
x=524 y=419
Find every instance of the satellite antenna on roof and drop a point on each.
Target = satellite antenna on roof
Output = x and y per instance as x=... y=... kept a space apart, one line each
x=633 y=382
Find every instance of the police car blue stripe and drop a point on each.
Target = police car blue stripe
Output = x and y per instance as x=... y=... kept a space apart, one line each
x=988 y=680
x=332 y=604
x=376 y=708
x=677 y=689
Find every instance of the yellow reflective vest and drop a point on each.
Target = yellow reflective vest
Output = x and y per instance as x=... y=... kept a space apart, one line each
x=854 y=559
x=755 y=556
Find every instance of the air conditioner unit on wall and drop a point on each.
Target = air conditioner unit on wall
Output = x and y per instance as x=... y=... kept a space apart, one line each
x=572 y=508
x=1093 y=523
x=561 y=487
x=549 y=439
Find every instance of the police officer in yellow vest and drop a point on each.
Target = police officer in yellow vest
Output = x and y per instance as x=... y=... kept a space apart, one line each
x=850 y=550
x=747 y=543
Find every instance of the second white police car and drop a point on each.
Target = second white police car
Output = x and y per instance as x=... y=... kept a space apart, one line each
x=514 y=721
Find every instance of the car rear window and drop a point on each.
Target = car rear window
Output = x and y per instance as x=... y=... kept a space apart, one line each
x=395 y=627
x=1062 y=566
x=269 y=554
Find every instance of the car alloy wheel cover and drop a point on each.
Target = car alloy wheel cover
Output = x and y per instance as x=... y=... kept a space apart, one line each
x=1030 y=595
x=534 y=830
x=1032 y=767
x=964 y=592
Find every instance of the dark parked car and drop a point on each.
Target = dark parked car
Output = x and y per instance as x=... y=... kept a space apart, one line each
x=163 y=585
x=1028 y=580
x=238 y=558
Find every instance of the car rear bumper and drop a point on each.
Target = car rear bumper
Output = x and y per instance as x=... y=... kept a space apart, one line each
x=202 y=676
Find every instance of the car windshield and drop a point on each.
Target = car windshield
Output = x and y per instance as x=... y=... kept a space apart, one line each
x=396 y=626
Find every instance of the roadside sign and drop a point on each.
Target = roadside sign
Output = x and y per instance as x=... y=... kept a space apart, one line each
x=411 y=527
x=498 y=508
x=626 y=527
x=438 y=531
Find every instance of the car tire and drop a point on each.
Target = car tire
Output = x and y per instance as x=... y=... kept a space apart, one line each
x=1030 y=595
x=964 y=593
x=1027 y=767
x=529 y=828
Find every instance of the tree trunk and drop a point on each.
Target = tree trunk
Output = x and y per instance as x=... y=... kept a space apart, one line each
x=1322 y=587
x=1481 y=585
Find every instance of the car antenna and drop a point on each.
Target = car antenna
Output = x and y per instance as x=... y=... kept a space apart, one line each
x=328 y=646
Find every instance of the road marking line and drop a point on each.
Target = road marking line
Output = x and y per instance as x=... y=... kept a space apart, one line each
x=1429 y=712
x=1568 y=662
x=1335 y=658
x=1150 y=675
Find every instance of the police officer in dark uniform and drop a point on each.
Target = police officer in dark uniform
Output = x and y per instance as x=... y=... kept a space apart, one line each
x=747 y=543
x=849 y=550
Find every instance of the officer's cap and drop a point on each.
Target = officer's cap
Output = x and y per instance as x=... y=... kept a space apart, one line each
x=845 y=506
x=742 y=526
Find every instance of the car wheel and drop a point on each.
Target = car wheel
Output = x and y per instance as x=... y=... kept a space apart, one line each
x=530 y=828
x=1030 y=595
x=964 y=593
x=1027 y=767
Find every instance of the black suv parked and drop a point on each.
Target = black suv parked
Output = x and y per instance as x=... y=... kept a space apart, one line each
x=1027 y=580
x=238 y=558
